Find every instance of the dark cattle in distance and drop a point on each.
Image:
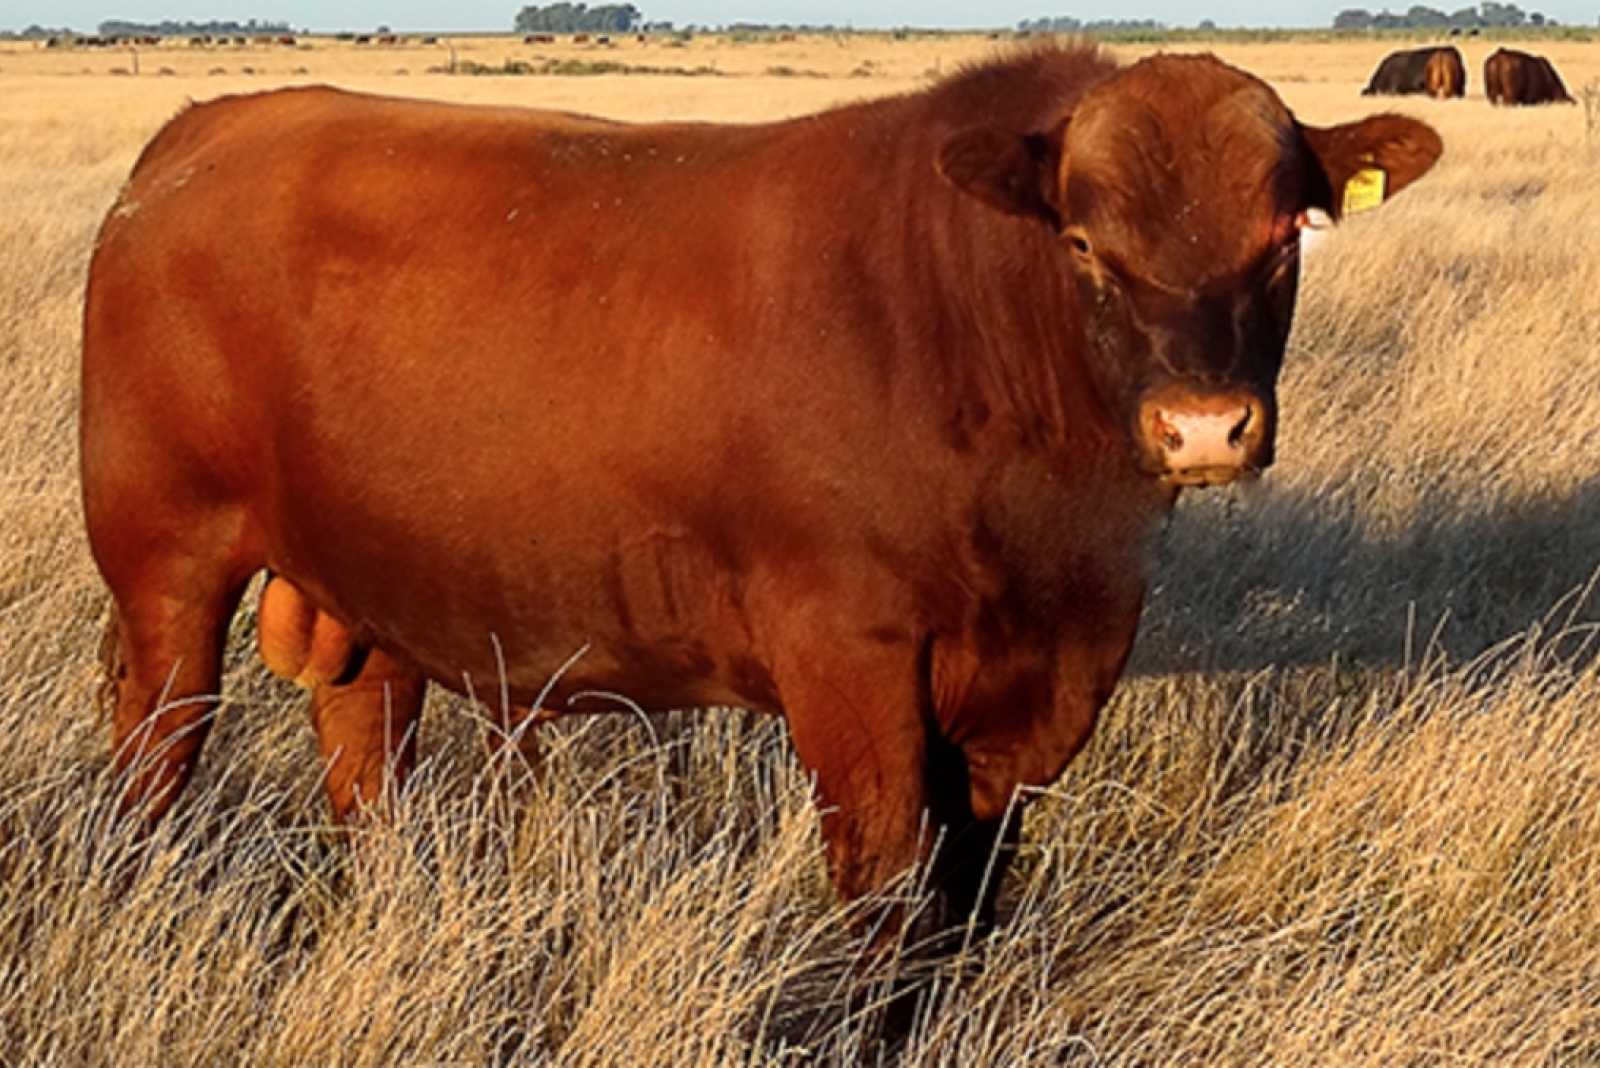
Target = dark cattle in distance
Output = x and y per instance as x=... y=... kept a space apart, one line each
x=876 y=426
x=1419 y=71
x=1513 y=78
x=580 y=38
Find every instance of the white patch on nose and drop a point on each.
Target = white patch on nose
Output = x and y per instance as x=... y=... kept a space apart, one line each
x=1206 y=437
x=1195 y=441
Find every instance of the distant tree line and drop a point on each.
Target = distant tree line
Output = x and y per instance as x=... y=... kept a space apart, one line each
x=578 y=18
x=174 y=28
x=1486 y=15
x=1068 y=24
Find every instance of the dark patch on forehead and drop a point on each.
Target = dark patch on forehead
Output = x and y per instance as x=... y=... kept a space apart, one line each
x=1185 y=165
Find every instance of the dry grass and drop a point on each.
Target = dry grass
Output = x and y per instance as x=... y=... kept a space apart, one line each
x=1345 y=810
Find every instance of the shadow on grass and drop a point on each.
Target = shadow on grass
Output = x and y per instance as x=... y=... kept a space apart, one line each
x=1270 y=579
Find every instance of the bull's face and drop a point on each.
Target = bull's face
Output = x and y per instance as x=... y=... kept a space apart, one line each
x=1178 y=190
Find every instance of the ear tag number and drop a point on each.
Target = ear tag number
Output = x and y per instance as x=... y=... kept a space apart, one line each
x=1364 y=190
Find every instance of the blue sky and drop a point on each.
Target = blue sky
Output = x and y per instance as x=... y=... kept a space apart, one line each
x=463 y=15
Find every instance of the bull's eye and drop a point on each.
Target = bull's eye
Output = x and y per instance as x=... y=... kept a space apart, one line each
x=1078 y=241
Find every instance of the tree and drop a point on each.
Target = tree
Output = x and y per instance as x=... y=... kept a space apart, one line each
x=1496 y=14
x=1488 y=13
x=563 y=17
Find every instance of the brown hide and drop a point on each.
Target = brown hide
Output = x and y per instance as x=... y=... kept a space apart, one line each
x=867 y=417
x=1445 y=74
x=1511 y=78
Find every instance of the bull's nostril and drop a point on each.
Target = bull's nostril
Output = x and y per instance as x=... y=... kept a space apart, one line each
x=1236 y=435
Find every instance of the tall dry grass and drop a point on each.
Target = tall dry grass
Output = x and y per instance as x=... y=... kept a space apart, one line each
x=1344 y=810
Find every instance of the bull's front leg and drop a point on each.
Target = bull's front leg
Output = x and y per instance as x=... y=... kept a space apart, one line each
x=855 y=717
x=1004 y=721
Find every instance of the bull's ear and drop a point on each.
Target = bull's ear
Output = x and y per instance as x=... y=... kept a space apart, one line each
x=1017 y=173
x=1367 y=162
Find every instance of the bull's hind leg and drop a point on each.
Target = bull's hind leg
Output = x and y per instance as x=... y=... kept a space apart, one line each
x=165 y=669
x=367 y=731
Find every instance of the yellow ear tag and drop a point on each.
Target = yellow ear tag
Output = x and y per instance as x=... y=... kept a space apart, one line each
x=1364 y=190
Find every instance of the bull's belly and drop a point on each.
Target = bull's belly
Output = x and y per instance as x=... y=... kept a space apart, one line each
x=588 y=669
x=589 y=620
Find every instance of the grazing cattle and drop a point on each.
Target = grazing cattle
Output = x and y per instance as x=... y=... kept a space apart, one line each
x=1512 y=77
x=1438 y=72
x=868 y=418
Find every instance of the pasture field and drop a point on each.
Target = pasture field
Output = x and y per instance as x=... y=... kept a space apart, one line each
x=1344 y=810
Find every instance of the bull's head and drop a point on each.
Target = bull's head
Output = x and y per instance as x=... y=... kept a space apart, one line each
x=1178 y=189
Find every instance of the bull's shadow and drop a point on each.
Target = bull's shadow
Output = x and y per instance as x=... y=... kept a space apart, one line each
x=1270 y=577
